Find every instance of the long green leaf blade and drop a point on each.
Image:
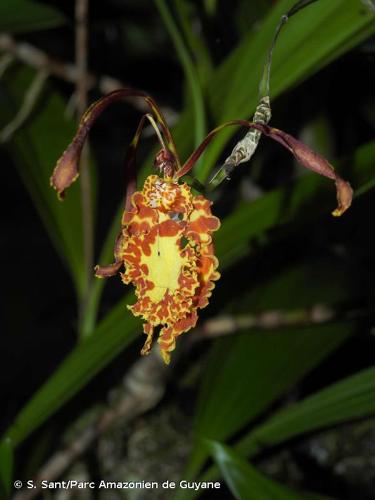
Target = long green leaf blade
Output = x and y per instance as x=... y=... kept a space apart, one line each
x=348 y=399
x=351 y=398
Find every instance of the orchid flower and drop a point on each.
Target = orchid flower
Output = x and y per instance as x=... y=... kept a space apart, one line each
x=165 y=247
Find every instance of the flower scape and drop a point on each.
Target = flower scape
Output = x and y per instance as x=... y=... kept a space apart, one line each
x=165 y=247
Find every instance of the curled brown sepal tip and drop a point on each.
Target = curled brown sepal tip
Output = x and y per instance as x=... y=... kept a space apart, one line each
x=66 y=170
x=107 y=271
x=344 y=197
x=315 y=162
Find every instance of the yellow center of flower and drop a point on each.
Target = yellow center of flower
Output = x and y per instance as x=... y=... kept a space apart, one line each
x=164 y=266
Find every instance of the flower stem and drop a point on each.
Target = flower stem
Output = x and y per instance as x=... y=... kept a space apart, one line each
x=189 y=69
x=81 y=11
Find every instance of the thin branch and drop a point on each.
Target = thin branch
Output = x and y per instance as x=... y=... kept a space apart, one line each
x=81 y=13
x=268 y=320
x=36 y=58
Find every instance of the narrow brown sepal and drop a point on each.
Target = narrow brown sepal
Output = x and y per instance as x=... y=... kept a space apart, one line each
x=302 y=153
x=317 y=163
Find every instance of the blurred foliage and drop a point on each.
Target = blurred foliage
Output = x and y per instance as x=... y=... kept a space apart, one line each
x=278 y=248
x=23 y=16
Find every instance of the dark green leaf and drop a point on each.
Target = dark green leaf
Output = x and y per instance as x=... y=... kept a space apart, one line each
x=22 y=16
x=353 y=397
